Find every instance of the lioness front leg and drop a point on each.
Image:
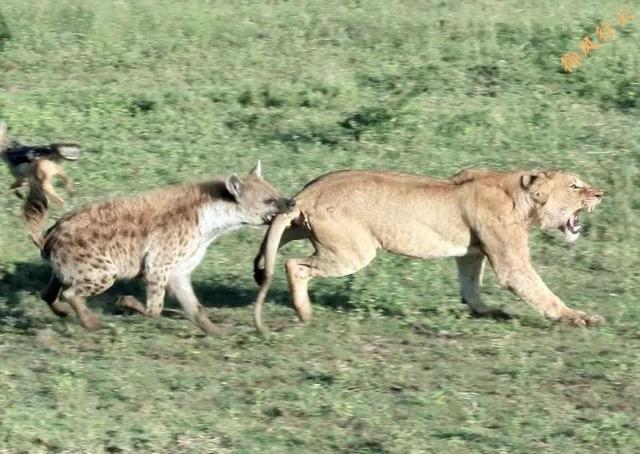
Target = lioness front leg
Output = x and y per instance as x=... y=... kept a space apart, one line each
x=514 y=271
x=470 y=273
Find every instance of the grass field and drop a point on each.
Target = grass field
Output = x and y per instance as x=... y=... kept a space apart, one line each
x=160 y=91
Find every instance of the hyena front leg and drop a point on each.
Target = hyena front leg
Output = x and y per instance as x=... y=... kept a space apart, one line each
x=180 y=286
x=131 y=302
x=156 y=290
x=156 y=275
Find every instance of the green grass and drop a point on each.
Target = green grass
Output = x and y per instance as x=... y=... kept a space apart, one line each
x=159 y=92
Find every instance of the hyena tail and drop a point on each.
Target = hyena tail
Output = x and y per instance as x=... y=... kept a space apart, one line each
x=264 y=262
x=35 y=212
x=51 y=294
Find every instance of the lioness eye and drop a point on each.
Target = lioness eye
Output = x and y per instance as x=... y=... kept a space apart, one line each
x=270 y=201
x=575 y=186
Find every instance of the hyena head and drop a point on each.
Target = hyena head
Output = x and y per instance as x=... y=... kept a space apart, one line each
x=257 y=199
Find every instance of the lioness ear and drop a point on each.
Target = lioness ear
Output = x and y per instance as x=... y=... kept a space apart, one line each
x=257 y=169
x=528 y=179
x=235 y=186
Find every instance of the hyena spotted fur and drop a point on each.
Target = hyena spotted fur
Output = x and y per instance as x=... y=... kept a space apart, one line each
x=161 y=236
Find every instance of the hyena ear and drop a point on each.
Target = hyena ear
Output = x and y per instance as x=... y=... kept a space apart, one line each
x=257 y=169
x=235 y=186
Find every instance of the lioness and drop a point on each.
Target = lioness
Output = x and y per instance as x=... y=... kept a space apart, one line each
x=476 y=214
x=161 y=236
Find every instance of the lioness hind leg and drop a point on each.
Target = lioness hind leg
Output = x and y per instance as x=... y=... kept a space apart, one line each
x=323 y=263
x=470 y=273
x=298 y=277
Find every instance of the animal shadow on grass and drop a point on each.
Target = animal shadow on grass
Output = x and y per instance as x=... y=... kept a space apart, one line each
x=33 y=277
x=25 y=277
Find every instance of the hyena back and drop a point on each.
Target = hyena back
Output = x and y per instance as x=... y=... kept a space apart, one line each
x=161 y=237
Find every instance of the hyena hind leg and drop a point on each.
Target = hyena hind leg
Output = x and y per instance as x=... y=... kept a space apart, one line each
x=77 y=294
x=51 y=297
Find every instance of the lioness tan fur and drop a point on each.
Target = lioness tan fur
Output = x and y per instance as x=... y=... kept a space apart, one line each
x=476 y=215
x=161 y=236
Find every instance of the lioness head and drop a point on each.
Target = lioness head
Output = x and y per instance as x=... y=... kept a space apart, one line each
x=559 y=198
x=259 y=201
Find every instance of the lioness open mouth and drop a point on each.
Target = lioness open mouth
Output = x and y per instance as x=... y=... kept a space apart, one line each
x=572 y=227
x=573 y=224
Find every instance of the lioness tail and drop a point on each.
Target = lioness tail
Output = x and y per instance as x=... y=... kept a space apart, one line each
x=268 y=252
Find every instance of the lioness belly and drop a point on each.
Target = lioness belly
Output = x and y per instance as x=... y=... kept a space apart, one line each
x=417 y=239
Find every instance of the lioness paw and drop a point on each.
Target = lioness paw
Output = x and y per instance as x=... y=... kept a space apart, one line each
x=594 y=319
x=579 y=318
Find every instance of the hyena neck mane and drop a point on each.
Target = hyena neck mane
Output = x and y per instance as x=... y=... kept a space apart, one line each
x=218 y=211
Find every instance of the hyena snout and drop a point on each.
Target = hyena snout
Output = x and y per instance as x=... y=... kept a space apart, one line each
x=285 y=205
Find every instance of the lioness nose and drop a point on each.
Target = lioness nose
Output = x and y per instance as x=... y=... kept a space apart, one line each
x=291 y=203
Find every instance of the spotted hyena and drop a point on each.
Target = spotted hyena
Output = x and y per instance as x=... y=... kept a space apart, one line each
x=39 y=162
x=161 y=236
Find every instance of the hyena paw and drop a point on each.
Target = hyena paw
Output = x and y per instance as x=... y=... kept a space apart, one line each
x=153 y=312
x=59 y=309
x=90 y=321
